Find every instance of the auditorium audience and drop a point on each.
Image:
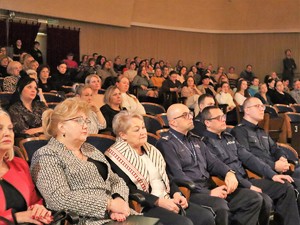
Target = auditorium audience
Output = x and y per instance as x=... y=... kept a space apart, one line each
x=262 y=94
x=85 y=93
x=10 y=82
x=131 y=155
x=182 y=74
x=73 y=175
x=157 y=78
x=36 y=52
x=129 y=101
x=18 y=50
x=143 y=83
x=44 y=79
x=192 y=93
x=113 y=105
x=224 y=97
x=242 y=92
x=19 y=201
x=95 y=83
x=171 y=89
x=106 y=72
x=26 y=110
x=295 y=93
x=281 y=97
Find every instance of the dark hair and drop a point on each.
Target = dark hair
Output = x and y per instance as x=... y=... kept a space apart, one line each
x=173 y=72
x=238 y=88
x=221 y=85
x=285 y=51
x=61 y=62
x=20 y=86
x=205 y=114
x=253 y=78
x=40 y=68
x=203 y=97
x=103 y=65
x=36 y=42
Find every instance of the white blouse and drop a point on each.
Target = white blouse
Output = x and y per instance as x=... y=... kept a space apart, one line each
x=157 y=185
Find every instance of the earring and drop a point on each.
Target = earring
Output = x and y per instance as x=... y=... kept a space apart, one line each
x=64 y=135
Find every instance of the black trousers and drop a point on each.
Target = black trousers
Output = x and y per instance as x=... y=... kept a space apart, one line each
x=239 y=208
x=195 y=215
x=284 y=199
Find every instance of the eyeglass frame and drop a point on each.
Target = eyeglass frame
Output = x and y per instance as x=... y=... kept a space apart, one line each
x=82 y=121
x=185 y=115
x=219 y=118
x=259 y=106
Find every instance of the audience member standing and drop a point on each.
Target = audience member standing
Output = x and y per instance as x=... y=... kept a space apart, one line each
x=289 y=66
x=36 y=52
x=18 y=50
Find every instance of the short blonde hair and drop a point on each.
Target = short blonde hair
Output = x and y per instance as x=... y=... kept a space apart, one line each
x=10 y=154
x=108 y=93
x=80 y=88
x=89 y=77
x=67 y=109
x=122 y=121
x=12 y=65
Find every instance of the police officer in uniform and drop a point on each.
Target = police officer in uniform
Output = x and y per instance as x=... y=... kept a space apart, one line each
x=223 y=146
x=188 y=158
x=256 y=140
x=203 y=101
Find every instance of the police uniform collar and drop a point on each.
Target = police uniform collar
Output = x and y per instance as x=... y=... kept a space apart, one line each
x=179 y=135
x=198 y=117
x=212 y=135
x=249 y=124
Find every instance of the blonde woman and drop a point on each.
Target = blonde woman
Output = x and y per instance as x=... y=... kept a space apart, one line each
x=130 y=102
x=95 y=83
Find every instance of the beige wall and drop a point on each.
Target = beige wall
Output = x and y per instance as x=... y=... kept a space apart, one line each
x=212 y=16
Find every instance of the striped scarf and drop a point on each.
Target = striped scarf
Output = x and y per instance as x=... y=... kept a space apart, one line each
x=127 y=159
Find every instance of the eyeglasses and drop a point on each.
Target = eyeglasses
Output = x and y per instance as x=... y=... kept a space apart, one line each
x=219 y=118
x=259 y=106
x=80 y=120
x=185 y=115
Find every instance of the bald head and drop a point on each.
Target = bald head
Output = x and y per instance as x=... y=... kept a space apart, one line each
x=180 y=118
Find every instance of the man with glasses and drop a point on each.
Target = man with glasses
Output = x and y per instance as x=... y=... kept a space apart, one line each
x=277 y=187
x=203 y=101
x=189 y=159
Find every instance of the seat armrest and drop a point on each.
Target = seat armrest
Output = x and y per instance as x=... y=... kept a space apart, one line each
x=187 y=184
x=138 y=198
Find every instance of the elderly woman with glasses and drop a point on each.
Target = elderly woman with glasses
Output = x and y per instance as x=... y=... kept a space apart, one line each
x=143 y=168
x=74 y=175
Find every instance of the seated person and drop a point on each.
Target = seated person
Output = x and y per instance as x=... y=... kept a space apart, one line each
x=95 y=83
x=275 y=186
x=85 y=93
x=143 y=168
x=189 y=159
x=257 y=141
x=130 y=102
x=74 y=175
x=253 y=89
x=3 y=66
x=295 y=93
x=205 y=87
x=143 y=83
x=131 y=72
x=19 y=201
x=44 y=79
x=241 y=93
x=192 y=93
x=113 y=101
x=281 y=97
x=26 y=109
x=107 y=72
x=157 y=79
x=61 y=77
x=262 y=94
x=171 y=89
x=10 y=82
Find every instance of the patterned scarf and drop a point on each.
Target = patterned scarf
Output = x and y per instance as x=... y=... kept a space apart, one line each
x=127 y=159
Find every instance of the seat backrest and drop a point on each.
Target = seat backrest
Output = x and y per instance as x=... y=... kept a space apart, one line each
x=52 y=97
x=31 y=145
x=281 y=108
x=152 y=124
x=161 y=131
x=163 y=118
x=152 y=138
x=272 y=111
x=296 y=108
x=153 y=108
x=101 y=141
x=293 y=117
x=5 y=98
